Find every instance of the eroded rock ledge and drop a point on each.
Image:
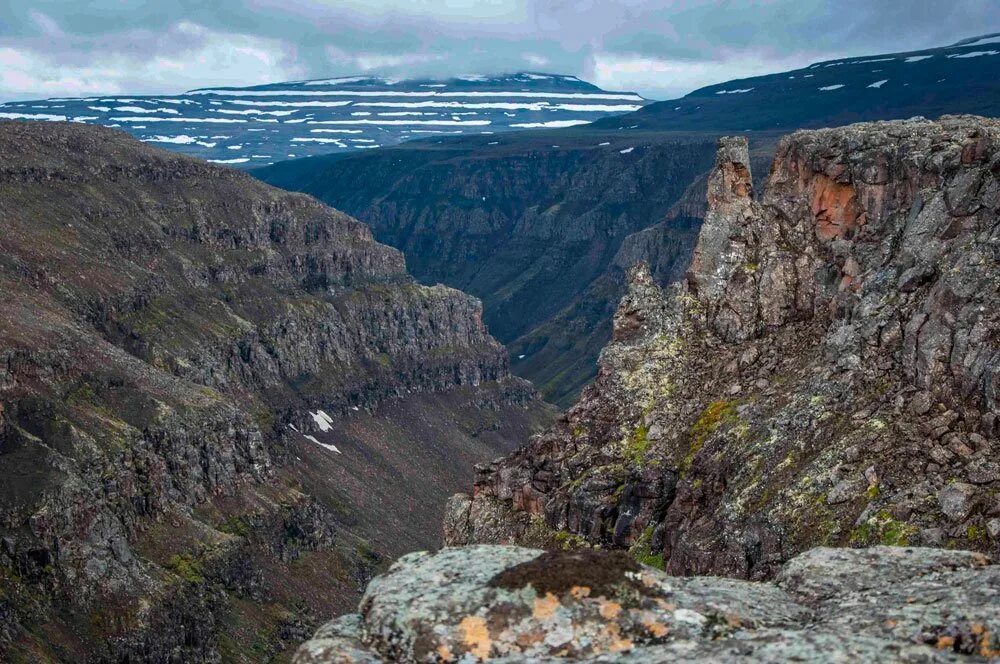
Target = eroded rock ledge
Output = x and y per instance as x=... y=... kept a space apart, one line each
x=511 y=604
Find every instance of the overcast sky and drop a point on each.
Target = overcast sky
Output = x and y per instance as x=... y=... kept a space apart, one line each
x=660 y=48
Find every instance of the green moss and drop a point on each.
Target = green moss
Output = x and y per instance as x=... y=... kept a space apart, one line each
x=873 y=491
x=569 y=540
x=638 y=444
x=715 y=415
x=236 y=525
x=643 y=553
x=187 y=567
x=882 y=529
x=976 y=533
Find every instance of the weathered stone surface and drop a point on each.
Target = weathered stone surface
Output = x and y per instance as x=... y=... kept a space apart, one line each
x=508 y=604
x=829 y=369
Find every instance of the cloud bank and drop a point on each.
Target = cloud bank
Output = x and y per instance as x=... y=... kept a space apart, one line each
x=660 y=48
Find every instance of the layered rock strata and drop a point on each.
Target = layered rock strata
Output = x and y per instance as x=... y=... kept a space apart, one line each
x=175 y=338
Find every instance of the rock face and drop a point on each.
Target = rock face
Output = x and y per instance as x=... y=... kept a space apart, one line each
x=828 y=374
x=197 y=372
x=509 y=604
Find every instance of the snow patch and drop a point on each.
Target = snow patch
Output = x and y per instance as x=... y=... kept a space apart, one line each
x=973 y=54
x=553 y=124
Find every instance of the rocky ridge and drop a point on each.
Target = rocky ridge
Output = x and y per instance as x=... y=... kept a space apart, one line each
x=827 y=375
x=510 y=604
x=181 y=345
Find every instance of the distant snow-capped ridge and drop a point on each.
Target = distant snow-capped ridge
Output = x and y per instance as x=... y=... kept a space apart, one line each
x=261 y=124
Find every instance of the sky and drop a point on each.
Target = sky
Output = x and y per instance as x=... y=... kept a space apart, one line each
x=659 y=48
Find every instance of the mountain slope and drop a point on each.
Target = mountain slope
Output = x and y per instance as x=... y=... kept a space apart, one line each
x=267 y=123
x=829 y=372
x=215 y=395
x=954 y=79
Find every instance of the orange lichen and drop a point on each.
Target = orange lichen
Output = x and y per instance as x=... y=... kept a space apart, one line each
x=545 y=607
x=653 y=626
x=945 y=642
x=616 y=642
x=579 y=592
x=610 y=610
x=476 y=636
x=444 y=653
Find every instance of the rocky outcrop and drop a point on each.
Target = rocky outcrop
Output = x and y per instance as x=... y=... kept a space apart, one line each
x=509 y=604
x=175 y=337
x=828 y=374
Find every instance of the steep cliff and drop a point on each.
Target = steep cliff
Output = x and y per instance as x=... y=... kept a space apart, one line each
x=531 y=223
x=827 y=374
x=204 y=383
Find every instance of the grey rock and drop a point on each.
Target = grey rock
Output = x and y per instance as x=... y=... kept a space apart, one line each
x=508 y=604
x=957 y=500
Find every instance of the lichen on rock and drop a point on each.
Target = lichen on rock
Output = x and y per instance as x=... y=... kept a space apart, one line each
x=508 y=604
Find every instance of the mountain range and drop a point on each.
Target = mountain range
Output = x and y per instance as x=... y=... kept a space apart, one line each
x=263 y=124
x=953 y=79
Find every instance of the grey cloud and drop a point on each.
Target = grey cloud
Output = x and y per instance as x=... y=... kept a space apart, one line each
x=56 y=47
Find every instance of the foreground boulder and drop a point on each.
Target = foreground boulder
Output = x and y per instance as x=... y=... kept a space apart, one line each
x=511 y=604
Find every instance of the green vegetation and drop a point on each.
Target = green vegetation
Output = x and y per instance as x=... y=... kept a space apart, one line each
x=236 y=525
x=882 y=529
x=638 y=444
x=187 y=567
x=643 y=553
x=569 y=540
x=715 y=415
x=976 y=534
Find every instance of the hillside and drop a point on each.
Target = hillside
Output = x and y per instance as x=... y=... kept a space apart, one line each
x=223 y=405
x=263 y=124
x=955 y=79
